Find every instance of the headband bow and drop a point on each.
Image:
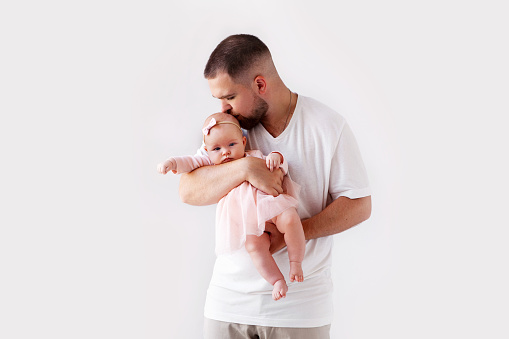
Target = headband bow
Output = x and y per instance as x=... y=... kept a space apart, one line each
x=213 y=122
x=206 y=129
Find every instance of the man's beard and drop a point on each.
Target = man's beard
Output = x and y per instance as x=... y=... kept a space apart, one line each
x=260 y=109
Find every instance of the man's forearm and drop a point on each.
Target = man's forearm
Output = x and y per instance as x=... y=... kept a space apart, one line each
x=342 y=214
x=207 y=185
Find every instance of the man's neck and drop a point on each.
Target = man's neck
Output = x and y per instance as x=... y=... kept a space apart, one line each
x=277 y=121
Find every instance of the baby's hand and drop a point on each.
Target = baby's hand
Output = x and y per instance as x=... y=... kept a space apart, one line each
x=273 y=161
x=168 y=165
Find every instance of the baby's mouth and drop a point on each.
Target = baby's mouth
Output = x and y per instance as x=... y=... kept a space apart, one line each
x=227 y=160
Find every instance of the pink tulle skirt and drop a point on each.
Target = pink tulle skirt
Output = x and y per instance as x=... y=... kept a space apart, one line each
x=245 y=210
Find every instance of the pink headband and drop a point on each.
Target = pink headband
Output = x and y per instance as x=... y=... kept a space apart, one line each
x=212 y=123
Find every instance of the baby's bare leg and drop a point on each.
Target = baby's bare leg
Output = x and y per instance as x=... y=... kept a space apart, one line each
x=258 y=249
x=290 y=225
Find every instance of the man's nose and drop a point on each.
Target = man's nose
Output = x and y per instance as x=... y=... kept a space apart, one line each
x=225 y=107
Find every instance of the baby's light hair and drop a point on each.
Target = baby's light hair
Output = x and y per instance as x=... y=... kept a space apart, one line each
x=219 y=119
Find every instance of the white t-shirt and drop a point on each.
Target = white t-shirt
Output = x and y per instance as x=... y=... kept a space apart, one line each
x=324 y=160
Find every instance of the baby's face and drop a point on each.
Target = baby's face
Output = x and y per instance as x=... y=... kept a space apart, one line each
x=225 y=143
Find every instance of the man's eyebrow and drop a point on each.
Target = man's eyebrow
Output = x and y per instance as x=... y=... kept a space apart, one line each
x=223 y=96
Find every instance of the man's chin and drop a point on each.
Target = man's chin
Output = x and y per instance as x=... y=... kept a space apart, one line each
x=248 y=124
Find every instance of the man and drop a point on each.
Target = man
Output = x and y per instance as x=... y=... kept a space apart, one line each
x=323 y=158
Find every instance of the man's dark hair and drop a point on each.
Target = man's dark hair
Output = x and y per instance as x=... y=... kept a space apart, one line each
x=235 y=55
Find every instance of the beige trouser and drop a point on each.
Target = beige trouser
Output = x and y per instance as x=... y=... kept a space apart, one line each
x=214 y=329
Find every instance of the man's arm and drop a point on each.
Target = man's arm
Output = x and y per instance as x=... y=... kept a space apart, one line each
x=342 y=214
x=207 y=185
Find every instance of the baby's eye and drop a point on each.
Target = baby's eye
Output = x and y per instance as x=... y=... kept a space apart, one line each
x=216 y=149
x=233 y=144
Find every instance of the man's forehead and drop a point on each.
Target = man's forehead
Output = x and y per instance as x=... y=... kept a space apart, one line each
x=222 y=86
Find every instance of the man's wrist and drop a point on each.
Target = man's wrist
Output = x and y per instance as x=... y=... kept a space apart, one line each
x=244 y=168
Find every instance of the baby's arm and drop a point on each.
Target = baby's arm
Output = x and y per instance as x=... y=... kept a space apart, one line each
x=183 y=164
x=276 y=160
x=168 y=165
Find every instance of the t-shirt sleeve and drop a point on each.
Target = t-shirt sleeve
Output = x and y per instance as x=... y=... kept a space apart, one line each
x=348 y=177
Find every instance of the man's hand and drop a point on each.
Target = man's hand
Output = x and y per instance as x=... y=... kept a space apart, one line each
x=262 y=178
x=277 y=239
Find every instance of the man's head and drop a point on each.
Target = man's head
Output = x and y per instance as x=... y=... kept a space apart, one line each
x=236 y=56
x=239 y=70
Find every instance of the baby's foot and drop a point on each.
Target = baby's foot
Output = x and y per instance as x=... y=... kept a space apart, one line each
x=280 y=289
x=296 y=272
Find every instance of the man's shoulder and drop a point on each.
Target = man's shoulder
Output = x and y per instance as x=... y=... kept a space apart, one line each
x=316 y=113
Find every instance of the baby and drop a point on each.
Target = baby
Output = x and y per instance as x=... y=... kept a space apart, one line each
x=242 y=213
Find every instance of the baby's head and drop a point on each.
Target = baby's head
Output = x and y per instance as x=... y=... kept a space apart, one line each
x=223 y=138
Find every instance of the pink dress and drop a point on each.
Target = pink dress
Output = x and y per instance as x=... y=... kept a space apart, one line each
x=245 y=209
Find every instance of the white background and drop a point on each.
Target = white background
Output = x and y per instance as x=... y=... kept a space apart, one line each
x=94 y=243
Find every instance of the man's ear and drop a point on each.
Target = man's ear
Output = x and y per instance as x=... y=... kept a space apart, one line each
x=260 y=84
